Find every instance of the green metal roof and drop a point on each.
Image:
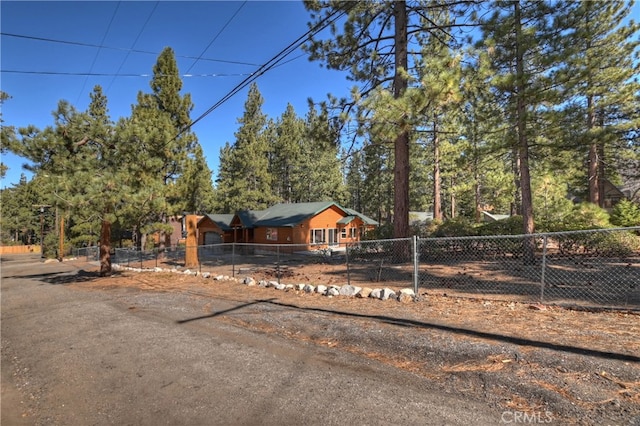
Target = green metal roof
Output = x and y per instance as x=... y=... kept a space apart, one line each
x=345 y=220
x=292 y=214
x=367 y=220
x=222 y=221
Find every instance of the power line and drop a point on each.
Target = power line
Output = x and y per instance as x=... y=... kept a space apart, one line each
x=146 y=52
x=132 y=46
x=328 y=20
x=95 y=58
x=216 y=36
x=99 y=74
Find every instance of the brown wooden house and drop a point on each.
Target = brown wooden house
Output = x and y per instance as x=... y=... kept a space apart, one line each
x=321 y=224
x=215 y=229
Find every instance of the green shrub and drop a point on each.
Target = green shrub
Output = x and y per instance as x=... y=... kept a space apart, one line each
x=458 y=227
x=510 y=226
x=626 y=214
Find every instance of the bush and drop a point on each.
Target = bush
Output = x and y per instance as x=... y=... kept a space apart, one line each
x=625 y=214
x=511 y=226
x=583 y=216
x=458 y=227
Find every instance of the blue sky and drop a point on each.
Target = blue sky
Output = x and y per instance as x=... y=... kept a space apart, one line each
x=232 y=38
x=221 y=33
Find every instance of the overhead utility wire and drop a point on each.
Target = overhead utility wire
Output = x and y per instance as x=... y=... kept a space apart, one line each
x=216 y=36
x=100 y=74
x=268 y=65
x=144 y=26
x=95 y=58
x=77 y=43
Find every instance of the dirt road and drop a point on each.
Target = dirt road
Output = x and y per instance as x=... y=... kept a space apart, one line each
x=79 y=351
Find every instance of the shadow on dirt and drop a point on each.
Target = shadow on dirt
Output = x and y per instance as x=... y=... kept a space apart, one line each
x=75 y=277
x=403 y=322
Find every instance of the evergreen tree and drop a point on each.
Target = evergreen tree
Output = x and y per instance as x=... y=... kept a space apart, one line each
x=286 y=157
x=354 y=177
x=193 y=191
x=19 y=218
x=373 y=47
x=245 y=182
x=7 y=134
x=320 y=177
x=167 y=112
x=598 y=75
x=518 y=38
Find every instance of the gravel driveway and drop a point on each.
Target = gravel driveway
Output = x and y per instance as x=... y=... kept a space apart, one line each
x=173 y=349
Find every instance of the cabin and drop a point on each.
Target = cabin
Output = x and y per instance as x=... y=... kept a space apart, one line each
x=325 y=224
x=215 y=229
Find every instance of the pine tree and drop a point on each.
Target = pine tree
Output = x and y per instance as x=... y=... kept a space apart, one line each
x=320 y=177
x=598 y=75
x=286 y=156
x=518 y=39
x=193 y=190
x=165 y=112
x=373 y=47
x=245 y=182
x=7 y=134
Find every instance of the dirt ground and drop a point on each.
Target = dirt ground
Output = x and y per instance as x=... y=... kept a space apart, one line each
x=557 y=365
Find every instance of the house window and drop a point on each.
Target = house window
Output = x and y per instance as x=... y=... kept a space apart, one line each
x=272 y=234
x=343 y=233
x=318 y=236
x=353 y=232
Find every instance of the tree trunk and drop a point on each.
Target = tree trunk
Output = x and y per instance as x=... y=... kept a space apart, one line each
x=523 y=143
x=401 y=145
x=105 y=249
x=594 y=161
x=453 y=200
x=437 y=187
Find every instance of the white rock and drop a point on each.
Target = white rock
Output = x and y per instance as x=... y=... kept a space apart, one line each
x=273 y=284
x=299 y=287
x=308 y=288
x=279 y=286
x=321 y=289
x=248 y=281
x=364 y=292
x=206 y=274
x=332 y=291
x=349 y=290
x=288 y=287
x=376 y=294
x=406 y=295
x=387 y=293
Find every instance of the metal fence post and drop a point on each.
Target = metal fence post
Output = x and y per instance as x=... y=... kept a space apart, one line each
x=544 y=264
x=233 y=259
x=346 y=255
x=416 y=270
x=278 y=262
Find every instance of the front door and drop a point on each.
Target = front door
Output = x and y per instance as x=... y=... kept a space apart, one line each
x=333 y=237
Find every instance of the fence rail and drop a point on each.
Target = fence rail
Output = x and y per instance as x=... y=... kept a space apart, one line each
x=590 y=268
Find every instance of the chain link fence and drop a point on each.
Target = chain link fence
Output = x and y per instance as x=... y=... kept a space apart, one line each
x=595 y=267
x=588 y=268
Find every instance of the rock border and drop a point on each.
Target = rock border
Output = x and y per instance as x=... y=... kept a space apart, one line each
x=405 y=295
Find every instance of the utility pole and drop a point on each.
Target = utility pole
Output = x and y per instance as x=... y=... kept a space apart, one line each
x=61 y=242
x=42 y=207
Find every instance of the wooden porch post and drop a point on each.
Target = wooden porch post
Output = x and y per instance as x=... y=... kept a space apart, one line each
x=191 y=253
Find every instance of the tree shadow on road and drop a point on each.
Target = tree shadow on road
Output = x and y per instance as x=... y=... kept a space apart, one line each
x=74 y=277
x=409 y=323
